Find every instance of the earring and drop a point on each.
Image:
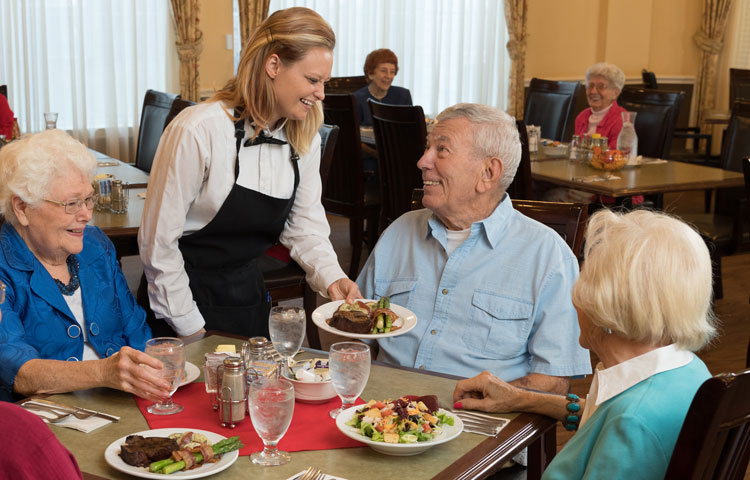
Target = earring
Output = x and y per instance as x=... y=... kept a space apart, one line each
x=608 y=331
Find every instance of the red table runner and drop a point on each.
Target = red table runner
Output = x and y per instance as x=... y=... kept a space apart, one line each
x=311 y=427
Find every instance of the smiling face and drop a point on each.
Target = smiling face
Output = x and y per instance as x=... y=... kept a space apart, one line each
x=600 y=93
x=299 y=85
x=50 y=233
x=383 y=75
x=451 y=173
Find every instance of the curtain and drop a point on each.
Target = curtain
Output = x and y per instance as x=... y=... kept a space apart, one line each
x=710 y=39
x=515 y=17
x=252 y=13
x=189 y=46
x=89 y=61
x=448 y=51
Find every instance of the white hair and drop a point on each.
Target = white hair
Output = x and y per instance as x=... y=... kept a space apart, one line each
x=30 y=165
x=647 y=277
x=611 y=72
x=495 y=135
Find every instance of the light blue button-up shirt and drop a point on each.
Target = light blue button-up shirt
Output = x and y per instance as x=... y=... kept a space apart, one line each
x=500 y=302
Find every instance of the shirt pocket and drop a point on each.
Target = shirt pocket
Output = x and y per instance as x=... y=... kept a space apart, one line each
x=499 y=326
x=400 y=290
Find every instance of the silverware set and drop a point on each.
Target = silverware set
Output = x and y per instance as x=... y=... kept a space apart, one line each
x=60 y=412
x=480 y=423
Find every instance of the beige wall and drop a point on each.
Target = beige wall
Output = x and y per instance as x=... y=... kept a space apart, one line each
x=566 y=37
x=216 y=63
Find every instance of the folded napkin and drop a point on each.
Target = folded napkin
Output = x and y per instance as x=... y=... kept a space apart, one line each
x=596 y=178
x=86 y=425
x=311 y=427
x=641 y=160
x=325 y=477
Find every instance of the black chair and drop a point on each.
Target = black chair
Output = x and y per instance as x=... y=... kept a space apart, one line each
x=400 y=137
x=739 y=85
x=714 y=442
x=549 y=104
x=345 y=84
x=177 y=106
x=4 y=90
x=346 y=192
x=156 y=106
x=657 y=112
x=522 y=186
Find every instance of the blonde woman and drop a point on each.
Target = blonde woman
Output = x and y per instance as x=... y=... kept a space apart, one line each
x=235 y=174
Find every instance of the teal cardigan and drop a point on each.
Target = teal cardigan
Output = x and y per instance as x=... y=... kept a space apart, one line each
x=632 y=435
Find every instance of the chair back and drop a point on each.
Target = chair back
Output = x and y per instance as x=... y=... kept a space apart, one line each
x=649 y=79
x=345 y=84
x=549 y=104
x=739 y=85
x=345 y=182
x=177 y=106
x=156 y=106
x=567 y=219
x=4 y=90
x=736 y=147
x=328 y=136
x=400 y=138
x=521 y=187
x=714 y=442
x=657 y=116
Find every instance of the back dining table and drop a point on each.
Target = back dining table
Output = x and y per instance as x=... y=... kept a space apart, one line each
x=468 y=456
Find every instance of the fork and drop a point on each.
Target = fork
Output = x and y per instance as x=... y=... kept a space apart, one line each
x=61 y=414
x=310 y=474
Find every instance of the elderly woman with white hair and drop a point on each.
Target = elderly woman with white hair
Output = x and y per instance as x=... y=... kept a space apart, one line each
x=604 y=82
x=69 y=320
x=644 y=305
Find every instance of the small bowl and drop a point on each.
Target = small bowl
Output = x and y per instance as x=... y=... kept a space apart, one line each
x=312 y=392
x=555 y=150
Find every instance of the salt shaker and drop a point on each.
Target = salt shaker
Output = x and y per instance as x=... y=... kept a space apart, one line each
x=119 y=199
x=233 y=393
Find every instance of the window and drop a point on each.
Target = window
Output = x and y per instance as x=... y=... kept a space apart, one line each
x=448 y=51
x=90 y=61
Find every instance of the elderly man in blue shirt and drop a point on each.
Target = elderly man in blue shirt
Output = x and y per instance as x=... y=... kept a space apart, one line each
x=491 y=287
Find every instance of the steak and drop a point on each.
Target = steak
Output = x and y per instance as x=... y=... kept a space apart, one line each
x=352 y=321
x=141 y=452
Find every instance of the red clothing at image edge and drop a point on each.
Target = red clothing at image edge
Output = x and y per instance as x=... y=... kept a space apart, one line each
x=6 y=118
x=30 y=450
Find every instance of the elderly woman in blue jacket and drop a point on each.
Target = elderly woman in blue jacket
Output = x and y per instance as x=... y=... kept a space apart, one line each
x=69 y=320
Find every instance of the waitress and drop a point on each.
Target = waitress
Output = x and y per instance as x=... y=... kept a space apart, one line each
x=232 y=176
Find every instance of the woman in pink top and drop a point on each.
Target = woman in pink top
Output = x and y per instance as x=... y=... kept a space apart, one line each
x=604 y=83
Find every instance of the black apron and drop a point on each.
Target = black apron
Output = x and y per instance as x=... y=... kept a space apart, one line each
x=221 y=259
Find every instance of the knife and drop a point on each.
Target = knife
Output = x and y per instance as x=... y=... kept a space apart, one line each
x=66 y=408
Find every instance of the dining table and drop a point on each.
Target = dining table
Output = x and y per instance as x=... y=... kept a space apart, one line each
x=468 y=456
x=128 y=173
x=653 y=176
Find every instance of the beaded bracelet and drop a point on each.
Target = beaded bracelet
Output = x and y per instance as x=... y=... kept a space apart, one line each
x=573 y=417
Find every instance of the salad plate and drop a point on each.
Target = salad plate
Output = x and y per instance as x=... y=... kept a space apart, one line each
x=407 y=320
x=112 y=456
x=190 y=374
x=398 y=449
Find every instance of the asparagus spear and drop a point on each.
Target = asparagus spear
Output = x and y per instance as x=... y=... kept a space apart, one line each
x=169 y=465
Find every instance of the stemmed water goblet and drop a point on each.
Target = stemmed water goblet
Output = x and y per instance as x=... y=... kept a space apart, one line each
x=171 y=352
x=287 y=328
x=349 y=364
x=271 y=404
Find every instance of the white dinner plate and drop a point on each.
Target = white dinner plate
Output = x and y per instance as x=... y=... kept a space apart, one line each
x=112 y=456
x=398 y=449
x=191 y=373
x=406 y=321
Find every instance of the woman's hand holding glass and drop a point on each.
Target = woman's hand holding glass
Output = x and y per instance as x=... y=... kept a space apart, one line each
x=171 y=352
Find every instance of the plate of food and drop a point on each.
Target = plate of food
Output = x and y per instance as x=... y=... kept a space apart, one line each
x=190 y=373
x=553 y=148
x=405 y=426
x=136 y=454
x=364 y=318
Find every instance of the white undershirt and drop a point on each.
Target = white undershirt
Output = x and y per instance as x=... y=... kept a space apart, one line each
x=454 y=238
x=597 y=117
x=75 y=303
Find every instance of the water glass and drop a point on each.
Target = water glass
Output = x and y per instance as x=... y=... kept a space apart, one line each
x=287 y=328
x=50 y=120
x=171 y=352
x=271 y=404
x=349 y=364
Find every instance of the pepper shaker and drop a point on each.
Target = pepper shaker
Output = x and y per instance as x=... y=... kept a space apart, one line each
x=233 y=393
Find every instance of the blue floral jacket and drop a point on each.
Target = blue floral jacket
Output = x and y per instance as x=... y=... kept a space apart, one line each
x=36 y=321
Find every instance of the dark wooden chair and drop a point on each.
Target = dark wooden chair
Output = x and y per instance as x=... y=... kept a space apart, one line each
x=714 y=442
x=550 y=104
x=156 y=106
x=288 y=282
x=400 y=137
x=657 y=116
x=177 y=106
x=4 y=90
x=346 y=192
x=345 y=84
x=739 y=85
x=567 y=219
x=725 y=229
x=522 y=188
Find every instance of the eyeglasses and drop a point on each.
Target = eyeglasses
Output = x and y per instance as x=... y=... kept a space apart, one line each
x=598 y=86
x=74 y=206
x=2 y=292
